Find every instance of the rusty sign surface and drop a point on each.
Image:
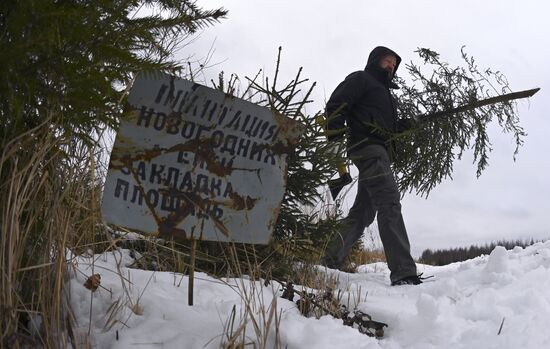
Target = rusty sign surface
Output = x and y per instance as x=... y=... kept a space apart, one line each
x=191 y=161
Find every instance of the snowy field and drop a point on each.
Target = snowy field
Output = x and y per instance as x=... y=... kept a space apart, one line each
x=465 y=305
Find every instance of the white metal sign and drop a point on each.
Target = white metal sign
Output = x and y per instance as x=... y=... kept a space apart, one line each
x=193 y=162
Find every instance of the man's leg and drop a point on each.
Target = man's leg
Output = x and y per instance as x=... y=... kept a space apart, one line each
x=375 y=172
x=359 y=217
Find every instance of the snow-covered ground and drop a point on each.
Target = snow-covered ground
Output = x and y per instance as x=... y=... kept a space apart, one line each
x=465 y=305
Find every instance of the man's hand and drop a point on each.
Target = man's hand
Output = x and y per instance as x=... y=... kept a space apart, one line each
x=337 y=148
x=336 y=185
x=405 y=125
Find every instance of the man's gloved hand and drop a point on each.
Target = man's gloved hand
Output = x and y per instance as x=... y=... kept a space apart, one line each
x=336 y=185
x=338 y=148
x=405 y=125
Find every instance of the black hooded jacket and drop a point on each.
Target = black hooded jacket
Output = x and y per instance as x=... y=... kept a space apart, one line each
x=363 y=99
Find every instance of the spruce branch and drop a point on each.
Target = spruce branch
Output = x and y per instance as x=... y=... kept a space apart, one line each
x=424 y=156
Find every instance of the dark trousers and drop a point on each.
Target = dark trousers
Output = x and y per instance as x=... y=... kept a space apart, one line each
x=377 y=195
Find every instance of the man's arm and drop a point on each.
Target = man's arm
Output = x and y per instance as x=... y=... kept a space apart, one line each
x=340 y=103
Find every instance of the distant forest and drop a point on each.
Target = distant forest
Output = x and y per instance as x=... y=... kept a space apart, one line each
x=443 y=257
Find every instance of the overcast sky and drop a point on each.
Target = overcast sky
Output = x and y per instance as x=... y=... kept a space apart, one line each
x=330 y=39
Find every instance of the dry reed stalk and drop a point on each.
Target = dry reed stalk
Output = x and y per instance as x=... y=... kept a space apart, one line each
x=46 y=207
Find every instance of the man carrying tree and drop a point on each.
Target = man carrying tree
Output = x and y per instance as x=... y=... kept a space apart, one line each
x=364 y=104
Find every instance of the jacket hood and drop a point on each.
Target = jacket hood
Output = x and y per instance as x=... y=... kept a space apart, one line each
x=377 y=53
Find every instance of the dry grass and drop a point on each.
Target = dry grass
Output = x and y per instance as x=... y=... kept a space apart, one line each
x=369 y=251
x=366 y=256
x=257 y=323
x=47 y=207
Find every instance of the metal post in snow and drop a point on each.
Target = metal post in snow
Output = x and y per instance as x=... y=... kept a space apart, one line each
x=192 y=272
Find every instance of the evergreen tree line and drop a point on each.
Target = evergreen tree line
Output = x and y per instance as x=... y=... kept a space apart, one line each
x=460 y=254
